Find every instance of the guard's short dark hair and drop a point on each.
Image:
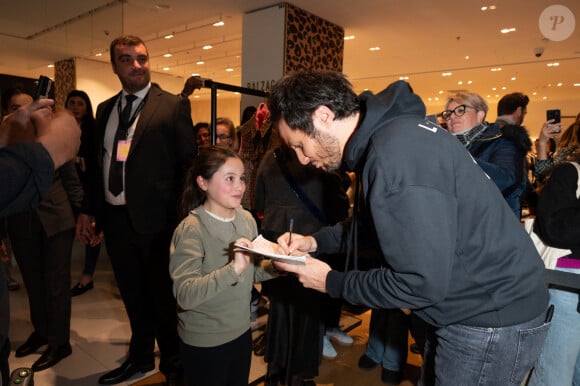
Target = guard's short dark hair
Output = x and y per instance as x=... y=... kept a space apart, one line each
x=125 y=40
x=510 y=103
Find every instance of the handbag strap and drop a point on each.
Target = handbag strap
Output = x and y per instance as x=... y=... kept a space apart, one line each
x=310 y=205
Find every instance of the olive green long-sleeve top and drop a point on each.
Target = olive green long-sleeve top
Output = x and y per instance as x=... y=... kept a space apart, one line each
x=213 y=301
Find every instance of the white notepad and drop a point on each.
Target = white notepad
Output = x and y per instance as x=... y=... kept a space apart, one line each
x=263 y=247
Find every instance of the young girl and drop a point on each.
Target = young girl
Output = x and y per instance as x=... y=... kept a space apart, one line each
x=212 y=280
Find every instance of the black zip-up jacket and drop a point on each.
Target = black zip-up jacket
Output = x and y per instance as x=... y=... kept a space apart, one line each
x=454 y=250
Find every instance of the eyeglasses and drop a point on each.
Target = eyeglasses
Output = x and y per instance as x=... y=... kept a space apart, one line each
x=223 y=137
x=458 y=111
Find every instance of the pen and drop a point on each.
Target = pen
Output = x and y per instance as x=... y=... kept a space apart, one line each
x=290 y=227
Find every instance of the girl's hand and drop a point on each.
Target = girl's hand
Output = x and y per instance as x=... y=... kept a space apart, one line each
x=241 y=257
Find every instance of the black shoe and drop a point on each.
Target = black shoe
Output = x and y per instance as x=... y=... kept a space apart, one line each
x=391 y=377
x=125 y=371
x=51 y=357
x=32 y=344
x=365 y=363
x=80 y=289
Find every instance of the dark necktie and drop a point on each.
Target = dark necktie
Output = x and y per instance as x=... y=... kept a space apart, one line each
x=116 y=167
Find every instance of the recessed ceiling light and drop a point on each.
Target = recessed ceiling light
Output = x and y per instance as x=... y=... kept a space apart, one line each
x=219 y=24
x=167 y=55
x=375 y=49
x=349 y=37
x=466 y=57
x=534 y=93
x=494 y=88
x=447 y=74
x=460 y=82
x=196 y=96
x=195 y=74
x=207 y=47
x=496 y=69
x=403 y=78
x=440 y=92
x=576 y=84
x=166 y=68
x=559 y=85
x=544 y=98
x=514 y=78
x=469 y=82
x=555 y=64
x=200 y=62
x=169 y=36
x=504 y=88
x=99 y=54
x=50 y=66
x=229 y=69
x=508 y=30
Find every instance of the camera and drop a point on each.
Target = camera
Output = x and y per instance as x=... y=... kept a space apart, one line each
x=538 y=51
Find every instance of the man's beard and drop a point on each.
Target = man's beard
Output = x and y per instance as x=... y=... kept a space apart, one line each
x=328 y=151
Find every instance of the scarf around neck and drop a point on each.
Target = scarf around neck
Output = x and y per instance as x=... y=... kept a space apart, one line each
x=468 y=136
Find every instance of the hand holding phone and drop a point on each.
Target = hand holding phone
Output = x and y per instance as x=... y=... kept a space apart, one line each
x=553 y=115
x=43 y=88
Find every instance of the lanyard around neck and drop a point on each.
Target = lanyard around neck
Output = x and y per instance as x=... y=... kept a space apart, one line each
x=135 y=114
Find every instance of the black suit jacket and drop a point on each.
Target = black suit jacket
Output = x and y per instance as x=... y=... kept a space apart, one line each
x=162 y=149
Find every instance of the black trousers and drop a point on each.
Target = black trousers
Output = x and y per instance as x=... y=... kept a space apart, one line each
x=141 y=266
x=224 y=365
x=45 y=266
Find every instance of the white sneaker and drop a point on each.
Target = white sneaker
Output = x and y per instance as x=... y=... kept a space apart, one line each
x=328 y=350
x=339 y=336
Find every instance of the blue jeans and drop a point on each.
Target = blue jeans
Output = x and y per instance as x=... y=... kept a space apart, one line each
x=387 y=344
x=559 y=362
x=467 y=355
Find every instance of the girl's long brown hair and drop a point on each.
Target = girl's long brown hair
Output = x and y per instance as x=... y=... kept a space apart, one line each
x=207 y=162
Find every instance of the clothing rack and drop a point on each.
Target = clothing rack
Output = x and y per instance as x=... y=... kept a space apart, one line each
x=214 y=86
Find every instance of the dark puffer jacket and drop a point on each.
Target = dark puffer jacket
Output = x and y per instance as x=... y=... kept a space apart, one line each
x=501 y=153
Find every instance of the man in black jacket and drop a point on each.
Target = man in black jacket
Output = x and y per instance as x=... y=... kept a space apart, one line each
x=144 y=144
x=455 y=253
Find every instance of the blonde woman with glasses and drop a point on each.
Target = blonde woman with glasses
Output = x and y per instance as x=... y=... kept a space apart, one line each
x=500 y=152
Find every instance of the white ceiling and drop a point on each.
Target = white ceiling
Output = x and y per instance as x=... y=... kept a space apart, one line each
x=418 y=38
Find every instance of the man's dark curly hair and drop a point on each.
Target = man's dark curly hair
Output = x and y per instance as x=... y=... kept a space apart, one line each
x=296 y=96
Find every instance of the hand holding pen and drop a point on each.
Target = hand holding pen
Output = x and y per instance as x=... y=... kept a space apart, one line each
x=290 y=228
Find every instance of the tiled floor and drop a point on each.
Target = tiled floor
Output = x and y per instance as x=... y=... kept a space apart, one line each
x=100 y=332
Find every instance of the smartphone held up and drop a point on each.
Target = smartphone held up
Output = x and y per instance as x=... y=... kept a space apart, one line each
x=44 y=88
x=554 y=116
